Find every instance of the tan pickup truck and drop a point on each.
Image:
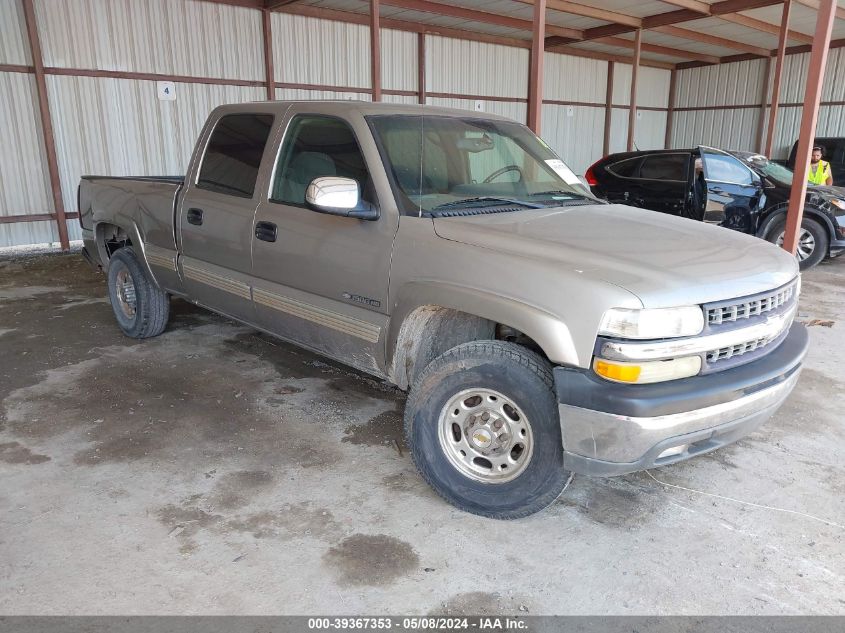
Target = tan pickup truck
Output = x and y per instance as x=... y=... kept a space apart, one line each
x=538 y=330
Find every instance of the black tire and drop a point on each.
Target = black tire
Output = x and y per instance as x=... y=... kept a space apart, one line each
x=521 y=376
x=820 y=238
x=151 y=304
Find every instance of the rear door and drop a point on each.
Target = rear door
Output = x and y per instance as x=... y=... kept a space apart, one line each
x=215 y=219
x=665 y=182
x=322 y=280
x=734 y=193
x=622 y=180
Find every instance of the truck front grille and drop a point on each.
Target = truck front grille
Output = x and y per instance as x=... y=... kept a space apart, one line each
x=747 y=313
x=752 y=306
x=736 y=350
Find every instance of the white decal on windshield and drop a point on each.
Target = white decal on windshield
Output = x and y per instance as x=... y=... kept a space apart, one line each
x=563 y=171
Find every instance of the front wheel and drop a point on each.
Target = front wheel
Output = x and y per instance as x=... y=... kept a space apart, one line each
x=812 y=241
x=483 y=428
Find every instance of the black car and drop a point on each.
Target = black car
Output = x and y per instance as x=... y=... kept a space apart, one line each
x=739 y=190
x=834 y=153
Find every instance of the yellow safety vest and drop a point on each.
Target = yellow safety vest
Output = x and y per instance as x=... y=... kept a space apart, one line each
x=820 y=174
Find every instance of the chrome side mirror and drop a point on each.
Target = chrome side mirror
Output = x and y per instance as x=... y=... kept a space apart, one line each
x=335 y=195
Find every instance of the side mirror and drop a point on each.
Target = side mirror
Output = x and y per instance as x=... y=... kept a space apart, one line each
x=335 y=195
x=768 y=184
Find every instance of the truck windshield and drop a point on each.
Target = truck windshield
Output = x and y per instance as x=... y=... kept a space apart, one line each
x=442 y=165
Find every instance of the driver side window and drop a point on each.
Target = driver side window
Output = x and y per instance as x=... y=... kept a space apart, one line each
x=316 y=146
x=726 y=169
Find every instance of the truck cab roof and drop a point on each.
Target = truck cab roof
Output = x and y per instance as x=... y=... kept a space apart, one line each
x=344 y=107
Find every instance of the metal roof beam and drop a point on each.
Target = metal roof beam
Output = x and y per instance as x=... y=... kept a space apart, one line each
x=450 y=10
x=692 y=5
x=765 y=27
x=676 y=17
x=659 y=50
x=586 y=11
x=610 y=57
x=704 y=38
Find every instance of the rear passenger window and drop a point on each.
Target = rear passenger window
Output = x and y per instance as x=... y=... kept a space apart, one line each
x=628 y=168
x=316 y=146
x=665 y=167
x=233 y=154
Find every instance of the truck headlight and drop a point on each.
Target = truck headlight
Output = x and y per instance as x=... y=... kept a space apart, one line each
x=839 y=204
x=646 y=372
x=652 y=323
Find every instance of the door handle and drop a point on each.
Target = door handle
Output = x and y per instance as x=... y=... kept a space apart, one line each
x=265 y=231
x=718 y=191
x=195 y=216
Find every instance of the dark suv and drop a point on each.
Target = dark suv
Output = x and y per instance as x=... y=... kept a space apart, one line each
x=834 y=153
x=739 y=190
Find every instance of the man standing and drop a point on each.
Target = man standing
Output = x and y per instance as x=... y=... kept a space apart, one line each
x=819 y=173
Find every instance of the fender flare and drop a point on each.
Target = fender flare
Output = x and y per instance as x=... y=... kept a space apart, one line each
x=812 y=212
x=544 y=328
x=134 y=234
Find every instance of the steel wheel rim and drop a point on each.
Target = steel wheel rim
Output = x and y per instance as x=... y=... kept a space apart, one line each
x=485 y=436
x=124 y=287
x=806 y=244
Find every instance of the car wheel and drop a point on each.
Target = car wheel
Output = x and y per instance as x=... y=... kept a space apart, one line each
x=812 y=241
x=482 y=425
x=140 y=306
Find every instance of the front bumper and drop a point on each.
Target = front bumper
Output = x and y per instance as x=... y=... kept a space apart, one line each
x=613 y=429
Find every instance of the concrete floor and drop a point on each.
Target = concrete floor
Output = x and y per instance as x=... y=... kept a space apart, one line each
x=213 y=470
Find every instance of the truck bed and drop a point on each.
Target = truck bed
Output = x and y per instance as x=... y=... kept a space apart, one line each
x=143 y=206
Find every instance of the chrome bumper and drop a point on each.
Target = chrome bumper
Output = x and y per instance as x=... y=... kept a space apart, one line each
x=691 y=417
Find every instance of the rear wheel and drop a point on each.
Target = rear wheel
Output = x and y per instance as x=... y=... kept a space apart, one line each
x=813 y=241
x=483 y=428
x=140 y=307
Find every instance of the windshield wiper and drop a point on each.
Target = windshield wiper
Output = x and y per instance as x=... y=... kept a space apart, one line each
x=556 y=192
x=457 y=203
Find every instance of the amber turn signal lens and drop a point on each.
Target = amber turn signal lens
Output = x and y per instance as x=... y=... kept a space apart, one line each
x=621 y=373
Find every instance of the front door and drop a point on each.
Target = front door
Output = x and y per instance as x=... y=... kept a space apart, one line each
x=215 y=218
x=322 y=280
x=734 y=193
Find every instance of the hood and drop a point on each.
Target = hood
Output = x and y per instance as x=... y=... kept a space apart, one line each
x=662 y=259
x=827 y=192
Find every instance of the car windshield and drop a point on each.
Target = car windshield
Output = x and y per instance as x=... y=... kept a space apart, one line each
x=450 y=165
x=765 y=167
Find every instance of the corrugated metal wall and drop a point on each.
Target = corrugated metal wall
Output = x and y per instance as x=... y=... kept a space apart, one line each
x=831 y=117
x=14 y=48
x=117 y=125
x=189 y=38
x=574 y=131
x=722 y=88
x=23 y=165
x=311 y=51
x=727 y=129
x=652 y=92
x=719 y=105
x=475 y=68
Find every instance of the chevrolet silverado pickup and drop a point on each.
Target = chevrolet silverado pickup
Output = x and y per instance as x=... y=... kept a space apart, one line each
x=538 y=330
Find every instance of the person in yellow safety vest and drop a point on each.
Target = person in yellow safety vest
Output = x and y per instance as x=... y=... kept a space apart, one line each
x=819 y=173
